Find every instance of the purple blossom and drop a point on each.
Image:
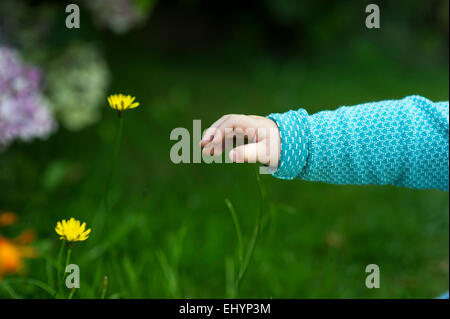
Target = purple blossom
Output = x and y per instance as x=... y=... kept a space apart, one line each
x=24 y=113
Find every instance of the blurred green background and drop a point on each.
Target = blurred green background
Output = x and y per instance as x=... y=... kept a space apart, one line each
x=169 y=233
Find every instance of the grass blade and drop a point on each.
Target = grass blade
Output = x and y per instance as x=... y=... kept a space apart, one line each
x=9 y=290
x=32 y=282
x=255 y=236
x=230 y=278
x=238 y=230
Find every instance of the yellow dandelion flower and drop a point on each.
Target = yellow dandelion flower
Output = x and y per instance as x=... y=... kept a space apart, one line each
x=72 y=230
x=121 y=102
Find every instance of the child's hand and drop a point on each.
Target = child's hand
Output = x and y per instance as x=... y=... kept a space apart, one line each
x=262 y=134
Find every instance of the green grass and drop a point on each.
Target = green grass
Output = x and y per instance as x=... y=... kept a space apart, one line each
x=169 y=232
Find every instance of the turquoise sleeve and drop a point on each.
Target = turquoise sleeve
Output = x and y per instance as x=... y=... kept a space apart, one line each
x=399 y=142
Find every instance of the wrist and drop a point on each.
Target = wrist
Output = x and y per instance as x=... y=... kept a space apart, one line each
x=292 y=127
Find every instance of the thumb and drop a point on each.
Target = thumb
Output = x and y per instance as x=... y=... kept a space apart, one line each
x=250 y=153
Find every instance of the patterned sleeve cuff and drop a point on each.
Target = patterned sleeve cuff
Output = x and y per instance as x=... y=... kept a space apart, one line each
x=294 y=151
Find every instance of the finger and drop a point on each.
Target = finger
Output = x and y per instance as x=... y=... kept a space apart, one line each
x=213 y=150
x=249 y=153
x=229 y=134
x=209 y=132
x=207 y=136
x=234 y=124
x=232 y=137
x=208 y=150
x=209 y=144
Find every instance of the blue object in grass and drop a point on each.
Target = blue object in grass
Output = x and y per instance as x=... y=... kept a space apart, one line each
x=443 y=296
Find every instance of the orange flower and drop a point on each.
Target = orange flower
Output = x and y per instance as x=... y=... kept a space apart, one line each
x=12 y=255
x=8 y=218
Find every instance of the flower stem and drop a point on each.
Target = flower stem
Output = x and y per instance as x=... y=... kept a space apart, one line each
x=114 y=161
x=72 y=292
x=69 y=253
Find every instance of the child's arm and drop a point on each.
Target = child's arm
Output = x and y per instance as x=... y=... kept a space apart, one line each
x=399 y=142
